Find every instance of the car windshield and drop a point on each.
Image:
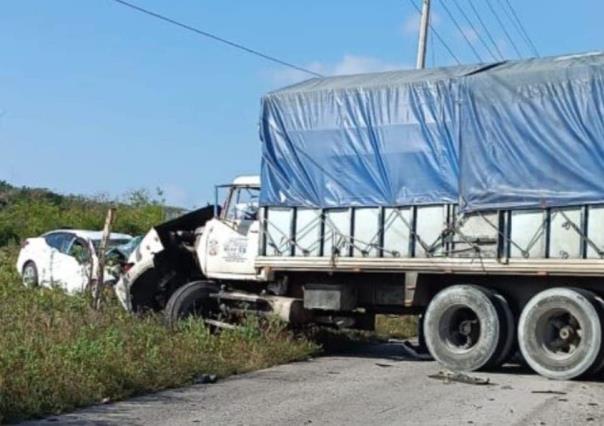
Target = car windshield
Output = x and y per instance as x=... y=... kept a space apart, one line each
x=127 y=248
x=111 y=243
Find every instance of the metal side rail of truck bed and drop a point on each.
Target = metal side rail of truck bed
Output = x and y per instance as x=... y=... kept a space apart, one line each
x=580 y=267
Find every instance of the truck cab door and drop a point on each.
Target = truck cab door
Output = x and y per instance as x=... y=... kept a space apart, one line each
x=231 y=240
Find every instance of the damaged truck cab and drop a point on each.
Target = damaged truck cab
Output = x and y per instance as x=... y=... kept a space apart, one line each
x=213 y=249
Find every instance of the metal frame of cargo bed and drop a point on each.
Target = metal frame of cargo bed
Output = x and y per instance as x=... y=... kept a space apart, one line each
x=434 y=239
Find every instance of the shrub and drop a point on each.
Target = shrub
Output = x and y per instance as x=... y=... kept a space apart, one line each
x=29 y=212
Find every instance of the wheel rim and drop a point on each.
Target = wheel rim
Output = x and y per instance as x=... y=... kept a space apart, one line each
x=460 y=328
x=559 y=333
x=29 y=276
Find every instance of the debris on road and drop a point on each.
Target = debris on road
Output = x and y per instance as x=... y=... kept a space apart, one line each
x=450 y=376
x=552 y=392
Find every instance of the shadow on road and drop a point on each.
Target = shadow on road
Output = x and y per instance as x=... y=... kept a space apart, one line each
x=407 y=350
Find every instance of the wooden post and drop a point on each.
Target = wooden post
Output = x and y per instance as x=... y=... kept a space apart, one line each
x=98 y=288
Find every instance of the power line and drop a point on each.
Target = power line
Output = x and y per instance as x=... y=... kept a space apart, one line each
x=217 y=38
x=461 y=31
x=442 y=41
x=484 y=43
x=505 y=31
x=486 y=29
x=521 y=28
x=510 y=18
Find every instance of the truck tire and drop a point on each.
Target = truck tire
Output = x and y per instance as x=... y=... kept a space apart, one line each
x=463 y=328
x=598 y=366
x=192 y=299
x=508 y=325
x=560 y=333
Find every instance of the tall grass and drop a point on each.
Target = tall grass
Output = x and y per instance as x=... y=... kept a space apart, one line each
x=396 y=326
x=57 y=354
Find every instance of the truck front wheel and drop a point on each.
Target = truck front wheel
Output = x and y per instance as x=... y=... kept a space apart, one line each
x=468 y=328
x=192 y=299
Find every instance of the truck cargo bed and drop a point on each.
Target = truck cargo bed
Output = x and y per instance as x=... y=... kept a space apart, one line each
x=434 y=238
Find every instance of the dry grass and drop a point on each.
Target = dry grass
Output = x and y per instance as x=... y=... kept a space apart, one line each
x=395 y=326
x=57 y=354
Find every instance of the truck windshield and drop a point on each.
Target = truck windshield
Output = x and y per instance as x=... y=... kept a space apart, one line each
x=243 y=204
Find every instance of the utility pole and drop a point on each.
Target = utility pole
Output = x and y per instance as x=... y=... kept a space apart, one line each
x=423 y=35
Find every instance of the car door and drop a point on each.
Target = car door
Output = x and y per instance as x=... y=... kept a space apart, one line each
x=45 y=255
x=232 y=239
x=70 y=264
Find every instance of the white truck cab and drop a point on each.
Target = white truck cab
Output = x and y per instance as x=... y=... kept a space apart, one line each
x=228 y=246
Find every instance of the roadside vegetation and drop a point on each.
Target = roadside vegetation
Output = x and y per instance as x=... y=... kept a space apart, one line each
x=396 y=327
x=56 y=353
x=27 y=212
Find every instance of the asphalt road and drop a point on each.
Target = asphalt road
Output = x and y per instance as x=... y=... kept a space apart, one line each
x=377 y=385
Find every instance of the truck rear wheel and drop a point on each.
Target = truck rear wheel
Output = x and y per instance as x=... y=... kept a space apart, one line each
x=466 y=328
x=192 y=299
x=560 y=333
x=508 y=324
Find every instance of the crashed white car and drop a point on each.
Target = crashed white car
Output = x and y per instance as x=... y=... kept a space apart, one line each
x=64 y=258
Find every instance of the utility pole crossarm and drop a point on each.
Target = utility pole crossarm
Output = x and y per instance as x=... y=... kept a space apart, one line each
x=423 y=35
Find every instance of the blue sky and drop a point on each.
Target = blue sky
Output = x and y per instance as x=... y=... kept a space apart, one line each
x=96 y=98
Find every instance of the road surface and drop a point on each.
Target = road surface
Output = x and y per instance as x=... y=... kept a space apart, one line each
x=381 y=384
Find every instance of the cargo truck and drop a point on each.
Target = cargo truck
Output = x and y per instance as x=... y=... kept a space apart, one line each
x=473 y=195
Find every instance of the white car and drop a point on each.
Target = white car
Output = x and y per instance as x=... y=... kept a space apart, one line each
x=64 y=258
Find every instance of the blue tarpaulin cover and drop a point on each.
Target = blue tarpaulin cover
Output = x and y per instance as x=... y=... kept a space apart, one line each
x=515 y=134
x=532 y=134
x=375 y=139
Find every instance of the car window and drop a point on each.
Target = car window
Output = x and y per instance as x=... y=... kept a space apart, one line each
x=80 y=250
x=65 y=242
x=52 y=240
x=59 y=240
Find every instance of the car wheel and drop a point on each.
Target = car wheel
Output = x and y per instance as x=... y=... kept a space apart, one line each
x=560 y=333
x=29 y=275
x=463 y=328
x=192 y=299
